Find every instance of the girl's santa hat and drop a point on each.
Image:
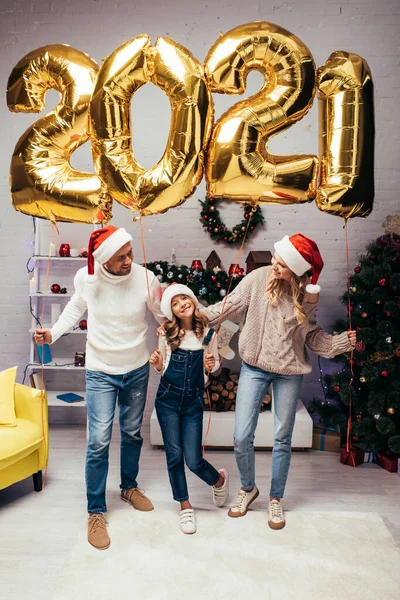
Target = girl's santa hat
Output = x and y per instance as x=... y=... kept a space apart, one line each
x=175 y=289
x=103 y=244
x=301 y=254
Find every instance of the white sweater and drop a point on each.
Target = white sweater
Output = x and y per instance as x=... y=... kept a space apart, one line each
x=116 y=305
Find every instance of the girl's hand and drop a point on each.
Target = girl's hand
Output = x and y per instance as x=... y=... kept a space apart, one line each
x=156 y=360
x=352 y=335
x=209 y=361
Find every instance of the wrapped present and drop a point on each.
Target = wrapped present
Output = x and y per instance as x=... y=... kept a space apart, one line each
x=325 y=438
x=387 y=461
x=370 y=456
x=352 y=457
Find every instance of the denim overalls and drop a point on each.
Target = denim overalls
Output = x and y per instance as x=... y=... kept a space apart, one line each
x=179 y=407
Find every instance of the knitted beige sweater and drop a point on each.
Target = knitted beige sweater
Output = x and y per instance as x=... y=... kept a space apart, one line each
x=272 y=338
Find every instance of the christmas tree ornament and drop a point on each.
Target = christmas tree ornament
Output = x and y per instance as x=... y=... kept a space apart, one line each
x=83 y=324
x=382 y=281
x=389 y=340
x=372 y=256
x=170 y=274
x=388 y=313
x=364 y=315
x=359 y=416
x=55 y=288
x=391 y=410
x=378 y=301
x=384 y=373
x=360 y=346
x=377 y=416
x=363 y=379
x=357 y=269
x=336 y=388
x=222 y=293
x=397 y=353
x=354 y=289
x=355 y=438
x=196 y=264
x=203 y=291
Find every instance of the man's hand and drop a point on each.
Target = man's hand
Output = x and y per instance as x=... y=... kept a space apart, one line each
x=42 y=336
x=156 y=360
x=209 y=362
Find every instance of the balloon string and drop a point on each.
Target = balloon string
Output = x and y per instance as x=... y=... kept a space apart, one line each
x=149 y=297
x=219 y=322
x=42 y=387
x=351 y=362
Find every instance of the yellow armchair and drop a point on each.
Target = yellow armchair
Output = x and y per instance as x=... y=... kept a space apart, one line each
x=24 y=448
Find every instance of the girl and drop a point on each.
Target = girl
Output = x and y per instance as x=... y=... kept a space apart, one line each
x=280 y=322
x=183 y=357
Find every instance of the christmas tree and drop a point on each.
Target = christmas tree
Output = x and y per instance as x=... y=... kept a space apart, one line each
x=367 y=388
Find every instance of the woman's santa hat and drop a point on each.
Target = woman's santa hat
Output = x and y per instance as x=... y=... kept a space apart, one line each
x=103 y=244
x=301 y=254
x=175 y=289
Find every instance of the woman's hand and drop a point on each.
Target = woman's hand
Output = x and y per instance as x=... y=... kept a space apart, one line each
x=352 y=335
x=156 y=360
x=209 y=362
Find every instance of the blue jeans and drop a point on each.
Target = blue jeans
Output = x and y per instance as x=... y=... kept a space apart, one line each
x=253 y=385
x=180 y=415
x=103 y=391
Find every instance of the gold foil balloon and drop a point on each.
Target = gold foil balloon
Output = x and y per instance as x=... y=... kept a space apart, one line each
x=239 y=166
x=43 y=183
x=346 y=121
x=175 y=71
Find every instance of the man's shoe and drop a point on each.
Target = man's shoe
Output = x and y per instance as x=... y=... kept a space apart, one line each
x=187 y=521
x=220 y=494
x=136 y=498
x=276 y=515
x=243 y=501
x=97 y=531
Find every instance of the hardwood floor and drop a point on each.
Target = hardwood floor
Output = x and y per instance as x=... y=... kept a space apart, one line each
x=37 y=530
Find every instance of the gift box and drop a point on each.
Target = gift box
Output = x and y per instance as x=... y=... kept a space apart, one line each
x=352 y=457
x=387 y=461
x=325 y=438
x=370 y=456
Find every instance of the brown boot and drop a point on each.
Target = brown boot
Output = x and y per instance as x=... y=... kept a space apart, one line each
x=137 y=499
x=97 y=531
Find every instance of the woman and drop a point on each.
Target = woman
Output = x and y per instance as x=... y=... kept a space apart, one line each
x=278 y=305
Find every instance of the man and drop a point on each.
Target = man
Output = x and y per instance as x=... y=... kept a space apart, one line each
x=115 y=291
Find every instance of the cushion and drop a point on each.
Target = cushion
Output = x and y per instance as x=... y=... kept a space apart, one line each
x=17 y=443
x=7 y=408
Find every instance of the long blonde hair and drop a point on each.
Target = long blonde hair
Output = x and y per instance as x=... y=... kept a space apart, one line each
x=174 y=332
x=276 y=289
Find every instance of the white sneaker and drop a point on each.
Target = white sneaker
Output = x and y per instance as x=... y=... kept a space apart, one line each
x=276 y=515
x=188 y=521
x=220 y=494
x=243 y=501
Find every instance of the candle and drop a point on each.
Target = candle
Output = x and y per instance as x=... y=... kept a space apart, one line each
x=32 y=286
x=52 y=249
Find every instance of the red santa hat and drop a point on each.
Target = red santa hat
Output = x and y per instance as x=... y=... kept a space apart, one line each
x=103 y=244
x=175 y=289
x=301 y=254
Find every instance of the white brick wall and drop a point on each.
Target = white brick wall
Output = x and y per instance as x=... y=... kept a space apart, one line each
x=366 y=27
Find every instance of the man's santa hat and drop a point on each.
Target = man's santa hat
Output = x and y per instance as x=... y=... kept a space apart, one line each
x=301 y=254
x=103 y=244
x=175 y=289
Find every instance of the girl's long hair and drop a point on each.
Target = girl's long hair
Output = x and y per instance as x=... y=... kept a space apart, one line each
x=174 y=332
x=277 y=287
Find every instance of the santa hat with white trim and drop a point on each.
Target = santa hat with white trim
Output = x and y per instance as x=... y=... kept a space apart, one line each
x=301 y=254
x=103 y=244
x=175 y=289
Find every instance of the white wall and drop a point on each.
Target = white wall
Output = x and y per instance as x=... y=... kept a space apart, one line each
x=366 y=27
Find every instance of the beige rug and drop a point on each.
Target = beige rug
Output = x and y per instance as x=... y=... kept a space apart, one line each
x=318 y=556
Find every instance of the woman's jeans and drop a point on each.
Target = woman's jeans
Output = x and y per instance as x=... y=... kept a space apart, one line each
x=180 y=416
x=253 y=385
x=102 y=393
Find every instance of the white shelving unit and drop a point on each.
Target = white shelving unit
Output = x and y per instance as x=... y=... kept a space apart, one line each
x=61 y=269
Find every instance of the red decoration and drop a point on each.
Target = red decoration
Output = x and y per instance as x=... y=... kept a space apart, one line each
x=235 y=270
x=355 y=438
x=372 y=256
x=353 y=457
x=388 y=313
x=359 y=416
x=382 y=281
x=196 y=264
x=213 y=278
x=83 y=324
x=351 y=308
x=397 y=353
x=384 y=373
x=336 y=388
x=357 y=270
x=65 y=250
x=360 y=346
x=55 y=288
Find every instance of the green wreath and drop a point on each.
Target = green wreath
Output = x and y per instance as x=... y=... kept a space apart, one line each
x=211 y=220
